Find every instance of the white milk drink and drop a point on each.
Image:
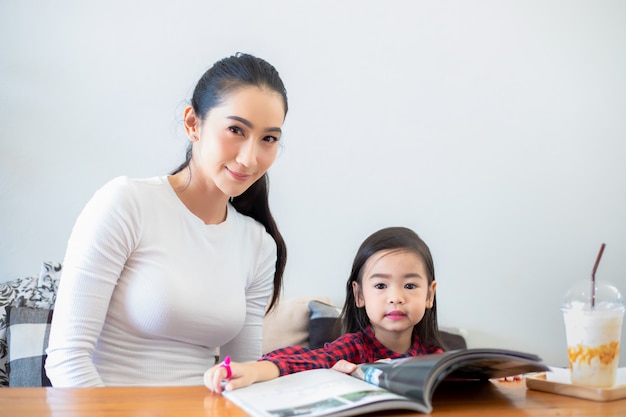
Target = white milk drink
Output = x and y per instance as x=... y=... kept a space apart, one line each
x=593 y=341
x=593 y=332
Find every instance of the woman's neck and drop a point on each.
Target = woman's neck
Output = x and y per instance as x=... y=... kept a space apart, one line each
x=205 y=201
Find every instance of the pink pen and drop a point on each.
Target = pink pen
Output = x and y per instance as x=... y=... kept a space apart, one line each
x=226 y=365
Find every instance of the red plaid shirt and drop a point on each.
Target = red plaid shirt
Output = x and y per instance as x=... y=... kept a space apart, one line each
x=359 y=347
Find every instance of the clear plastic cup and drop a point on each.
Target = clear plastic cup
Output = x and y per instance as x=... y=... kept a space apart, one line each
x=593 y=332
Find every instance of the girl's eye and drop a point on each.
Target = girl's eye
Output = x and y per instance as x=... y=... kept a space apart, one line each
x=380 y=286
x=410 y=286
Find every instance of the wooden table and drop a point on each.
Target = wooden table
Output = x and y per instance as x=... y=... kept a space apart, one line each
x=479 y=400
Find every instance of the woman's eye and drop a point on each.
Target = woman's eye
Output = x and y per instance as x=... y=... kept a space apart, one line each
x=270 y=139
x=236 y=130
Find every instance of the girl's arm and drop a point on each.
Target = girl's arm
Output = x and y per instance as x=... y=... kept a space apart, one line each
x=339 y=355
x=242 y=374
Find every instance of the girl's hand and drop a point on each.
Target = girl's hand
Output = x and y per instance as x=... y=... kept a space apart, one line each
x=241 y=375
x=344 y=366
x=511 y=378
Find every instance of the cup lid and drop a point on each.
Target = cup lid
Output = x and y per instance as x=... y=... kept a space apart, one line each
x=605 y=297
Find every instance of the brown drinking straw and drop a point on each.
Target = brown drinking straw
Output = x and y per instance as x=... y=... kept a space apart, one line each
x=593 y=277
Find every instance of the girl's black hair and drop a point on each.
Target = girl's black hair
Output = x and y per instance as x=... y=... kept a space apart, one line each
x=225 y=76
x=353 y=318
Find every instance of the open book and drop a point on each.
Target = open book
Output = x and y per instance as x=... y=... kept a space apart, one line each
x=407 y=383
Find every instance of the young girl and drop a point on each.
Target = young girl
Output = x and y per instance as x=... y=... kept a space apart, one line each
x=390 y=312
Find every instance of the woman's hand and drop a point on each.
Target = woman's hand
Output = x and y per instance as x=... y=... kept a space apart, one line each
x=241 y=375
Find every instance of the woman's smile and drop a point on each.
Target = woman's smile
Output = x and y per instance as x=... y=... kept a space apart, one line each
x=239 y=176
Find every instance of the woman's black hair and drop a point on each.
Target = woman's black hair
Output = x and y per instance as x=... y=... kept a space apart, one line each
x=355 y=318
x=225 y=76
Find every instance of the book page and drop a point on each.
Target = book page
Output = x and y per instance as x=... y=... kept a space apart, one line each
x=321 y=392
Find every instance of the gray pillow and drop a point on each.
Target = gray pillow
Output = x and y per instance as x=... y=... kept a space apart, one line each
x=323 y=323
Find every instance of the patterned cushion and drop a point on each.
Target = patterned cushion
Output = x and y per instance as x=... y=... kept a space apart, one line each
x=28 y=330
x=33 y=291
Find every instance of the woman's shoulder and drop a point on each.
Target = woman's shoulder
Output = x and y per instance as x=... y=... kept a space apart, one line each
x=123 y=187
x=122 y=181
x=126 y=194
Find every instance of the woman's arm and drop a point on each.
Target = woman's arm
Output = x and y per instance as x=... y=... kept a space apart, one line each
x=97 y=250
x=247 y=345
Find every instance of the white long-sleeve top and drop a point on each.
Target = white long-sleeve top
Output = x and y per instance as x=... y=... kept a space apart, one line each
x=148 y=291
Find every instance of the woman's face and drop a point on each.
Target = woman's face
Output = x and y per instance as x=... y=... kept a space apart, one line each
x=238 y=140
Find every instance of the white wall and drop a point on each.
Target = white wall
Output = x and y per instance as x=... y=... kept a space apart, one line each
x=495 y=129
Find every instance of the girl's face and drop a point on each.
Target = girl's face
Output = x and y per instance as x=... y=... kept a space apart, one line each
x=395 y=293
x=238 y=141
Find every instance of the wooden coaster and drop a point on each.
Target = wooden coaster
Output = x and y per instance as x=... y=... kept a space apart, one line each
x=558 y=382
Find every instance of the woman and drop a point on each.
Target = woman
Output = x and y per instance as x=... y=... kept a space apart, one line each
x=160 y=272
